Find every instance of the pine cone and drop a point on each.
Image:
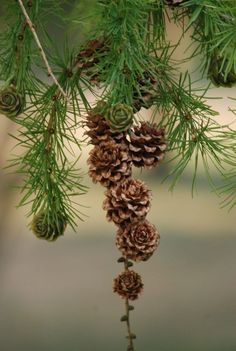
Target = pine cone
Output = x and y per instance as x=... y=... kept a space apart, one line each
x=144 y=96
x=11 y=102
x=127 y=202
x=109 y=163
x=120 y=117
x=89 y=58
x=128 y=285
x=48 y=230
x=147 y=145
x=99 y=129
x=138 y=241
x=216 y=73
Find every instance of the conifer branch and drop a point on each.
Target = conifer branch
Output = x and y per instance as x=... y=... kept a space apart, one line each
x=41 y=50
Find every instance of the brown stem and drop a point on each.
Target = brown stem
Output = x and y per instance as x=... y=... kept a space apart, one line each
x=130 y=338
x=128 y=309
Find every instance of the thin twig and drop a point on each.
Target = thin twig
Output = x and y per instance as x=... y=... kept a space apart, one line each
x=128 y=309
x=42 y=52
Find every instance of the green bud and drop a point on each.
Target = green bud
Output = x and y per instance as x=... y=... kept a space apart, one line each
x=46 y=228
x=11 y=102
x=124 y=318
x=101 y=107
x=130 y=264
x=132 y=336
x=120 y=117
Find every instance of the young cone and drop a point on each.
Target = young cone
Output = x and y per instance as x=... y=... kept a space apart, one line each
x=48 y=230
x=12 y=103
x=120 y=117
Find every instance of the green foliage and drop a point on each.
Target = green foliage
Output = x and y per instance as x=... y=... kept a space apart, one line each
x=124 y=25
x=193 y=131
x=214 y=30
x=228 y=190
x=84 y=15
x=49 y=122
x=48 y=132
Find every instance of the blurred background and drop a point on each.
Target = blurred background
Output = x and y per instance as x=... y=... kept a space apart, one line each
x=59 y=296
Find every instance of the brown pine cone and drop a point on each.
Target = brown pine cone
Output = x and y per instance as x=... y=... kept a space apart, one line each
x=138 y=241
x=128 y=285
x=144 y=96
x=99 y=130
x=127 y=202
x=89 y=59
x=147 y=145
x=86 y=58
x=109 y=163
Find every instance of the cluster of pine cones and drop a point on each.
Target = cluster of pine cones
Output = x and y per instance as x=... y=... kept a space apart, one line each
x=127 y=200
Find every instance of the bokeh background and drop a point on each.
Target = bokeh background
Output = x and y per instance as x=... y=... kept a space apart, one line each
x=59 y=296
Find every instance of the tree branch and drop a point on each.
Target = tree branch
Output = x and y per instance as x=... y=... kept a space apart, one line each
x=42 y=52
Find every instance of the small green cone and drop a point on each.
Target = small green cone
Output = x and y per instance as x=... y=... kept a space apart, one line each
x=216 y=73
x=48 y=230
x=120 y=117
x=12 y=103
